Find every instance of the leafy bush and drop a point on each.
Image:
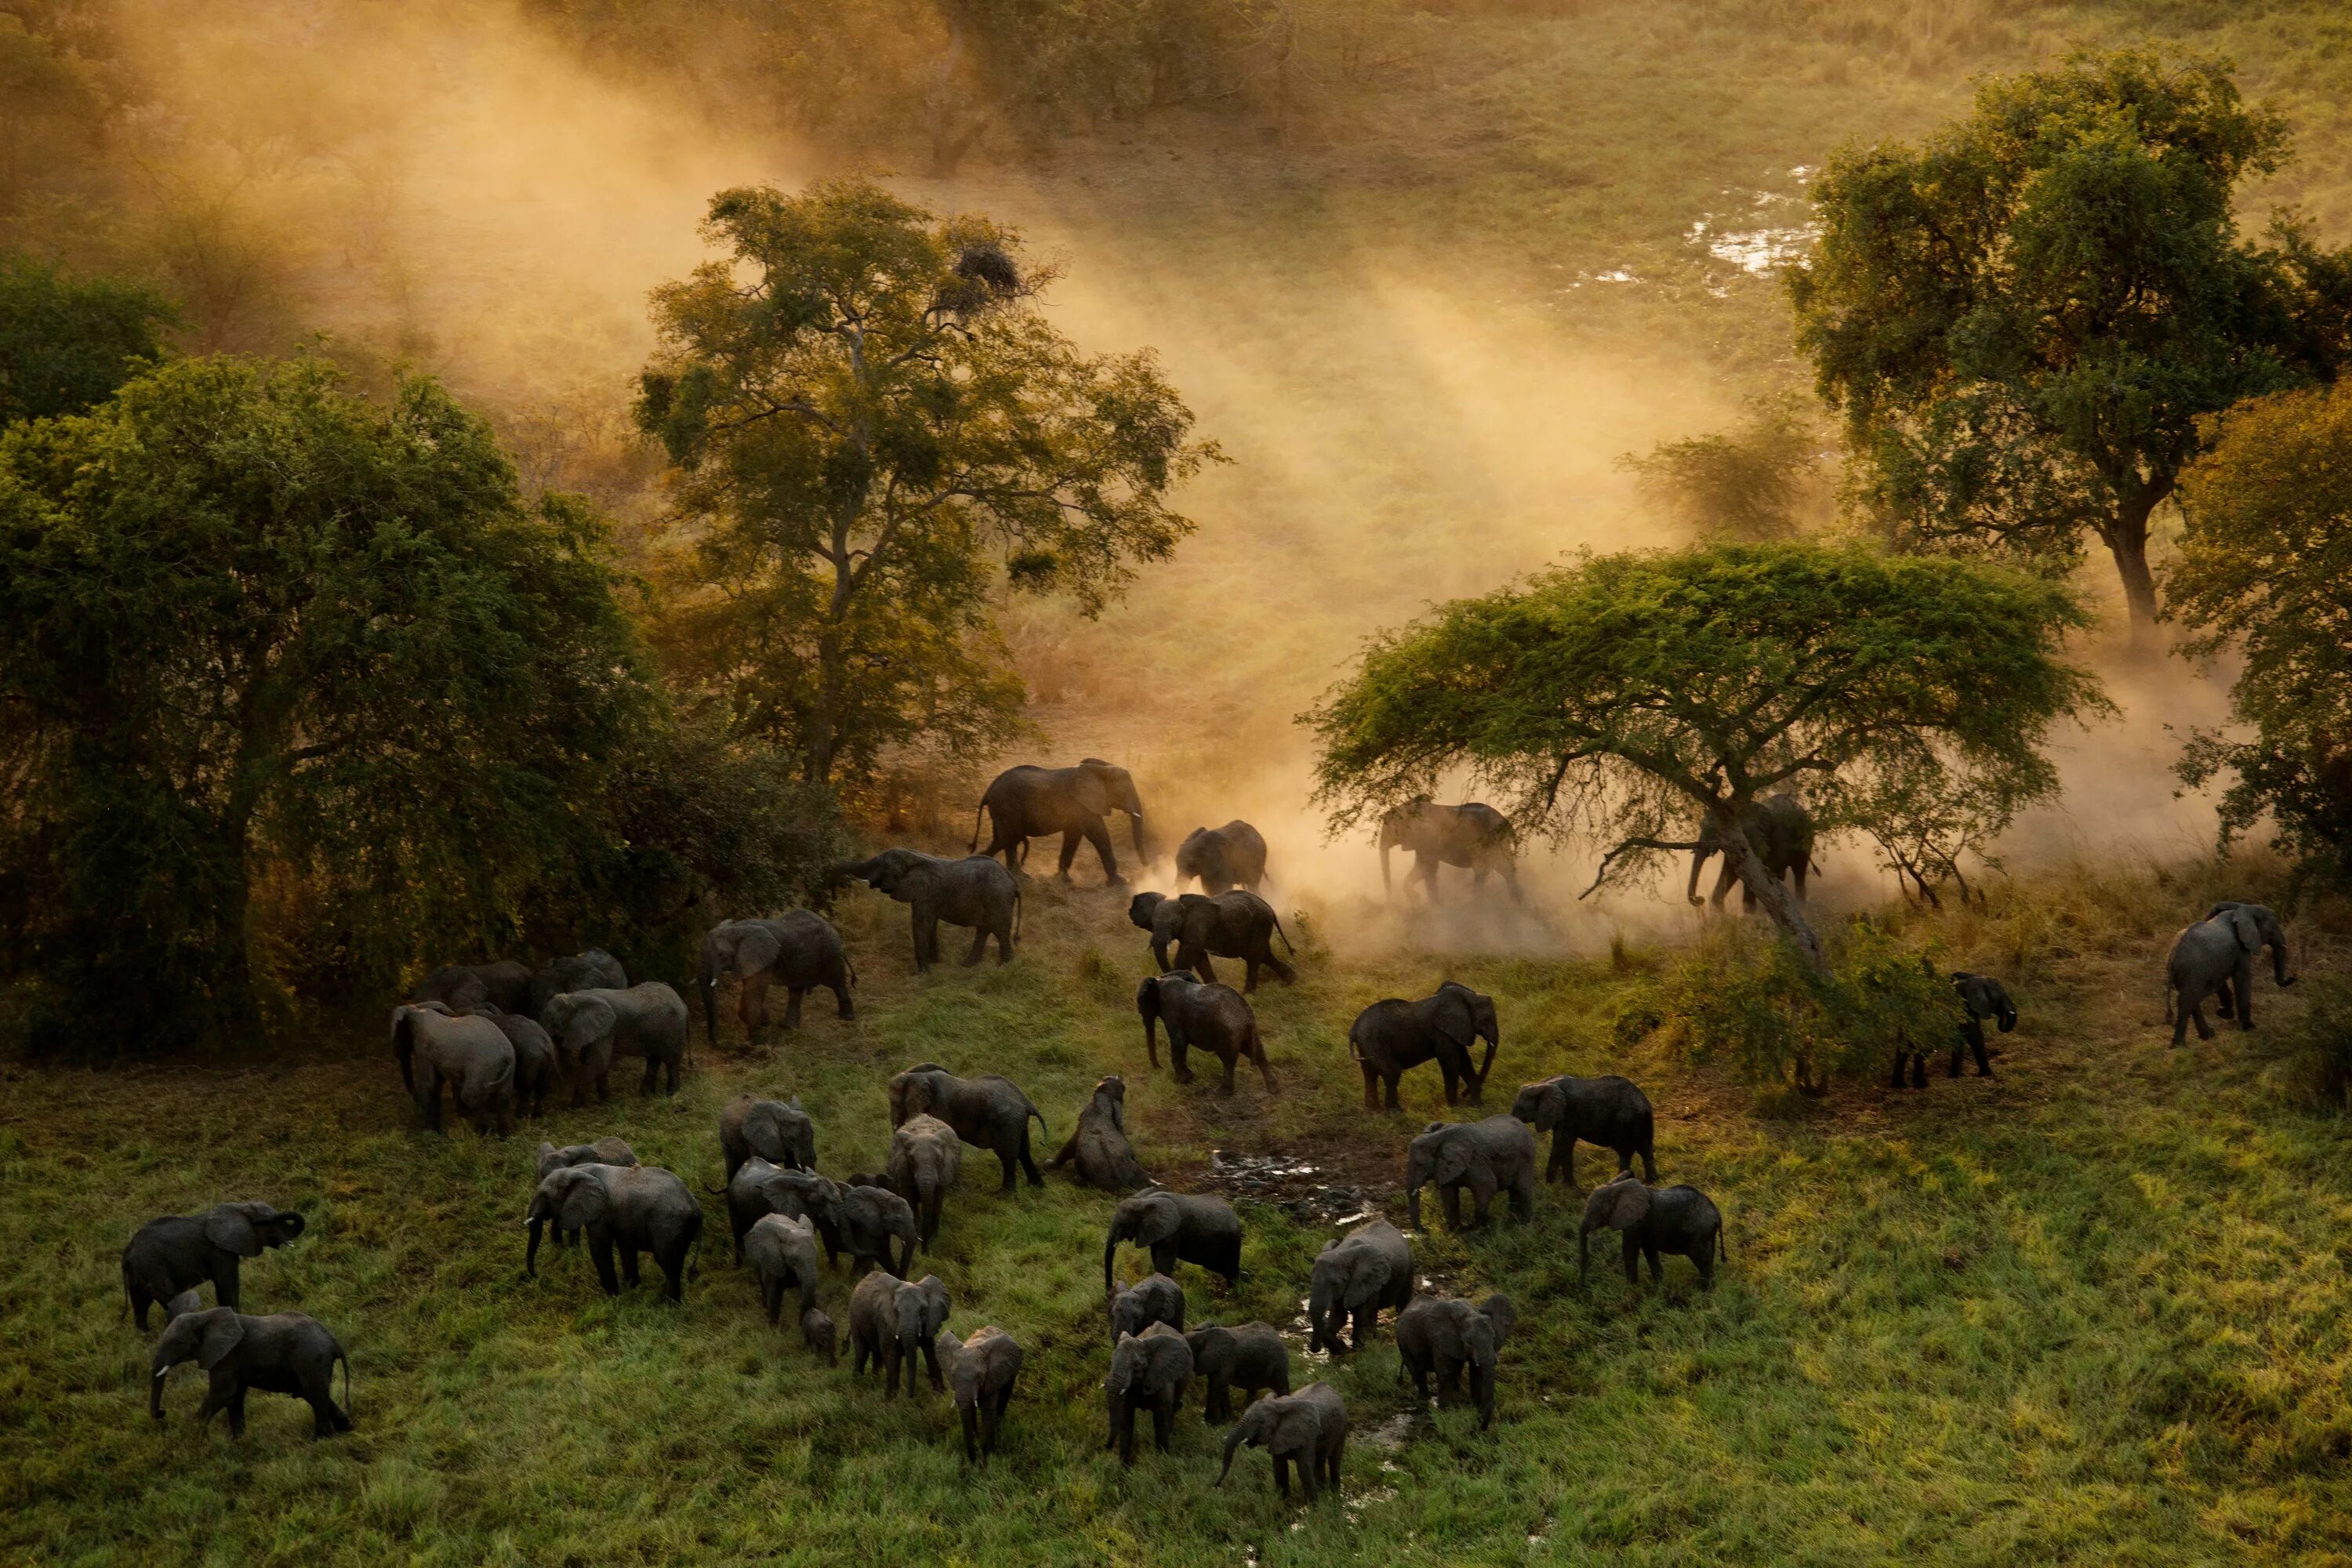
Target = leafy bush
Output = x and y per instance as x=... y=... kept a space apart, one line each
x=2319 y=1057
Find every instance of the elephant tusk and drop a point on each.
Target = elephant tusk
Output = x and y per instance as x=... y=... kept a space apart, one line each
x=162 y=1374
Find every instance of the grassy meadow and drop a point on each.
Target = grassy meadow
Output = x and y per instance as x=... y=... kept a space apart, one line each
x=2093 y=1311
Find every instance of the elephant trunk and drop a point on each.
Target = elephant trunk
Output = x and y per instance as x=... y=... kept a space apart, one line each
x=1482 y=1386
x=1385 y=888
x=1110 y=1251
x=1233 y=1445
x=708 y=983
x=1413 y=1206
x=970 y=1432
x=1478 y=1082
x=2278 y=961
x=530 y=1252
x=163 y=1365
x=1698 y=863
x=1135 y=833
x=1320 y=1334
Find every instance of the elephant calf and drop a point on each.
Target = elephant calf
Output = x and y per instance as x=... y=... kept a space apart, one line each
x=1491 y=1156
x=981 y=1370
x=1213 y=1017
x=1655 y=1220
x=1393 y=1035
x=1982 y=997
x=1435 y=1335
x=783 y=1252
x=1105 y=1159
x=1368 y=1268
x=1611 y=1111
x=1148 y=1371
x=1156 y=1299
x=285 y=1353
x=1307 y=1430
x=816 y=1330
x=924 y=1156
x=170 y=1255
x=1253 y=1358
x=891 y=1321
x=1178 y=1226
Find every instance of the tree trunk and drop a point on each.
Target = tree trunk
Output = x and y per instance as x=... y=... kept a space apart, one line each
x=2126 y=540
x=1776 y=899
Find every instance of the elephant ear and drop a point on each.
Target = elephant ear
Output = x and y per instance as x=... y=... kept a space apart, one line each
x=1497 y=1308
x=582 y=1203
x=1453 y=1163
x=1160 y=1221
x=756 y=949
x=1453 y=1019
x=591 y=1019
x=232 y=1231
x=1620 y=1206
x=221 y=1334
x=1371 y=1276
x=2247 y=929
x=935 y=1293
x=1091 y=788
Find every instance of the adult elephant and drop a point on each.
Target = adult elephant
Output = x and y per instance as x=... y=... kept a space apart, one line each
x=1448 y=1337
x=798 y=949
x=1655 y=1220
x=592 y=1027
x=594 y=970
x=1105 y=1158
x=777 y=1130
x=180 y=1252
x=1495 y=1155
x=1354 y=1278
x=987 y=1113
x=1393 y=1035
x=1251 y=1358
x=1213 y=1019
x=1228 y=925
x=1177 y=1227
x=1148 y=1371
x=1611 y=1111
x=285 y=1353
x=1221 y=858
x=1473 y=836
x=472 y=1056
x=1027 y=803
x=637 y=1209
x=892 y=1322
x=974 y=891
x=2215 y=958
x=1779 y=833
x=925 y=1157
x=464 y=987
x=534 y=1057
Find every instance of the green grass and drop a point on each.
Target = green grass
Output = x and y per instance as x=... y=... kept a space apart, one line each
x=2092 y=1311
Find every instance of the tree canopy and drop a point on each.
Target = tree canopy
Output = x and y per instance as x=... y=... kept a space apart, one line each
x=65 y=345
x=1750 y=482
x=1628 y=698
x=874 y=425
x=2024 y=318
x=2266 y=570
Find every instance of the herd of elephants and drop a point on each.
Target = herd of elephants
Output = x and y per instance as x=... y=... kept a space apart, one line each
x=499 y=1035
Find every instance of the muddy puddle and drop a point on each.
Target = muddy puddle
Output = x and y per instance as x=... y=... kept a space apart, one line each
x=1297 y=1186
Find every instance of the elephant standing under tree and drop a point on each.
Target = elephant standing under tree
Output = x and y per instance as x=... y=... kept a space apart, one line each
x=1354 y=1278
x=1611 y=1111
x=1229 y=925
x=988 y=1113
x=592 y=1027
x=1435 y=1335
x=1491 y=1156
x=1177 y=1227
x=1221 y=858
x=642 y=1208
x=981 y=1370
x=778 y=1131
x=594 y=970
x=285 y=1353
x=1655 y=1220
x=1475 y=837
x=1779 y=833
x=1105 y=1158
x=1148 y=1371
x=892 y=1322
x=1393 y=1035
x=1307 y=1430
x=2215 y=958
x=465 y=987
x=1982 y=997
x=799 y=949
x=472 y=1056
x=180 y=1252
x=1211 y=1018
x=1027 y=803
x=975 y=892
x=1253 y=1358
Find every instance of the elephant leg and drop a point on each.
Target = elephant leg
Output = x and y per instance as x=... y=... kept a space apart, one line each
x=1099 y=835
x=931 y=1362
x=1453 y=1085
x=1984 y=1060
x=1009 y=1157
x=1069 y=853
x=1482 y=1193
x=1658 y=1269
x=1164 y=1258
x=2197 y=1015
x=2245 y=993
x=1282 y=1478
x=772 y=1296
x=1723 y=881
x=1391 y=1080
x=600 y=1248
x=927 y=939
x=236 y=1406
x=2225 y=1002
x=1371 y=1100
x=629 y=1275
x=752 y=1006
x=1180 y=1054
x=792 y=995
x=1309 y=1481
x=1199 y=964
x=1164 y=1423
x=322 y=1412
x=226 y=1292
x=1425 y=867
x=605 y=1084
x=1633 y=1261
x=1902 y=1057
x=1449 y=1198
x=1282 y=970
x=1249 y=978
x=1028 y=1164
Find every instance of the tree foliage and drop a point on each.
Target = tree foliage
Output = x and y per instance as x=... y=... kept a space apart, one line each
x=1628 y=697
x=2024 y=318
x=65 y=345
x=2266 y=570
x=871 y=420
x=1749 y=484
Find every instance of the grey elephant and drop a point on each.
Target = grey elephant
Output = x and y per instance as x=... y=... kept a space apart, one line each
x=2215 y=958
x=799 y=950
x=604 y=1152
x=981 y=1370
x=593 y=970
x=1213 y=1018
x=1354 y=1278
x=817 y=1333
x=465 y=987
x=1177 y=1227
x=1982 y=998
x=974 y=891
x=988 y=1113
x=1779 y=833
x=1655 y=1220
x=1253 y=1358
x=179 y=1252
x=534 y=1054
x=1224 y=857
x=285 y=1353
x=1229 y=925
x=751 y=1193
x=1393 y=1035
x=1611 y=1111
x=1154 y=1299
x=924 y=1156
x=1446 y=1338
x=1105 y=1158
x=866 y=1217
x=1027 y=803
x=472 y=1056
x=1307 y=1430
x=1475 y=837
x=1497 y=1155
x=633 y=1209
x=592 y=1027
x=782 y=1253
x=892 y=1322
x=777 y=1130
x=1149 y=1371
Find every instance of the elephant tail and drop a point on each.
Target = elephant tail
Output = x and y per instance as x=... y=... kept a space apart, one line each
x=1016 y=916
x=346 y=1360
x=1285 y=936
x=1723 y=1241
x=1043 y=1132
x=850 y=965
x=1354 y=1044
x=974 y=846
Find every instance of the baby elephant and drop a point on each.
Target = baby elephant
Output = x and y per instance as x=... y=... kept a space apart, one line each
x=1105 y=1159
x=604 y=1152
x=818 y=1330
x=284 y=1352
x=1148 y=1370
x=1308 y=1429
x=1213 y=1017
x=1251 y=1358
x=1134 y=1308
x=1982 y=997
x=1441 y=1336
x=982 y=1370
x=1655 y=1220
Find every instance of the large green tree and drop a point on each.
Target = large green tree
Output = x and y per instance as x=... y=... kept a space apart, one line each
x=872 y=426
x=2024 y=318
x=1630 y=698
x=255 y=630
x=65 y=344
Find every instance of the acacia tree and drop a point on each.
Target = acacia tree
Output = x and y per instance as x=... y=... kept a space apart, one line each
x=868 y=413
x=1750 y=482
x=2024 y=318
x=65 y=344
x=1631 y=698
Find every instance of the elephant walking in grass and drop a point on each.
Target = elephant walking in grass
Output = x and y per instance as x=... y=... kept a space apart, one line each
x=1308 y=1430
x=1178 y=1226
x=1354 y=1278
x=988 y=1113
x=1027 y=803
x=592 y=1027
x=799 y=950
x=472 y=1056
x=975 y=892
x=892 y=1322
x=1148 y=1371
x=1253 y=1358
x=2215 y=959
x=177 y=1253
x=1105 y=1158
x=1448 y=1338
x=981 y=1370
x=1475 y=837
x=1779 y=833
x=782 y=1253
x=1214 y=1018
x=1221 y=858
x=1497 y=1155
x=1982 y=998
x=1611 y=1111
x=777 y=1130
x=1654 y=1221
x=1392 y=1036
x=1229 y=925
x=639 y=1209
x=866 y=1217
x=285 y=1353
x=924 y=1156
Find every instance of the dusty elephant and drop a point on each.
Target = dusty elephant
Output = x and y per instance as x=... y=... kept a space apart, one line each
x=1611 y=1111
x=1253 y=1358
x=798 y=949
x=1495 y=1155
x=1392 y=1036
x=975 y=892
x=592 y=1027
x=1229 y=925
x=892 y=1322
x=1354 y=1278
x=981 y=1372
x=1779 y=834
x=1027 y=803
x=1475 y=837
x=988 y=1113
x=1213 y=1018
x=1177 y=1227
x=1224 y=857
x=1655 y=1220
x=179 y=1252
x=1448 y=1338
x=1105 y=1158
x=285 y=1353
x=924 y=1156
x=1307 y=1430
x=778 y=1131
x=472 y=1056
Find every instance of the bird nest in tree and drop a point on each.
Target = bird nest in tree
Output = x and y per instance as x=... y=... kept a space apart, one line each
x=984 y=275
